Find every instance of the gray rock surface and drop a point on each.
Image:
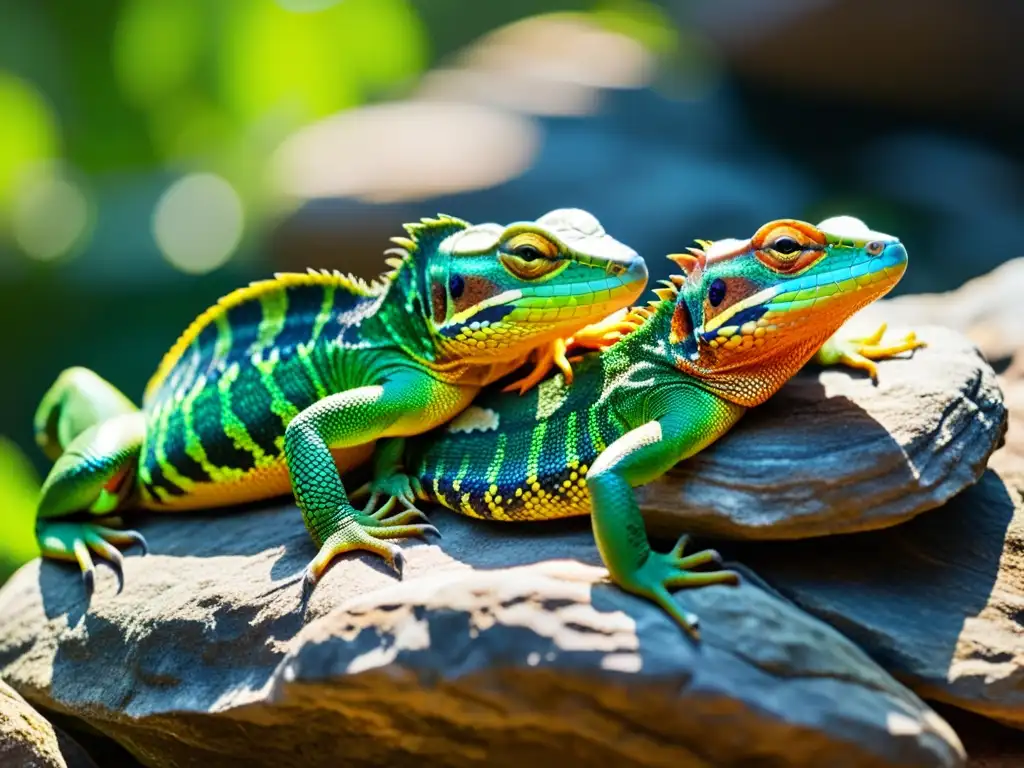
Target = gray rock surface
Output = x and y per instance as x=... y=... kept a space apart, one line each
x=28 y=740
x=505 y=646
x=938 y=601
x=833 y=453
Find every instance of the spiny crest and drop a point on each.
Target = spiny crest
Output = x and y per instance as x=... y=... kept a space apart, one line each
x=669 y=292
x=281 y=280
x=426 y=230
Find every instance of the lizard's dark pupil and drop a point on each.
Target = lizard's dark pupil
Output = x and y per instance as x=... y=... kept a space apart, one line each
x=716 y=293
x=527 y=253
x=456 y=285
x=786 y=245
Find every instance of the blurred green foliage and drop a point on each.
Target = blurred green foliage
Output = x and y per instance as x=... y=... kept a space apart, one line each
x=141 y=92
x=19 y=488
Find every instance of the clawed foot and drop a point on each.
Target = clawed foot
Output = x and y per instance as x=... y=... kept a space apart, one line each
x=862 y=352
x=597 y=336
x=664 y=571
x=371 y=533
x=397 y=487
x=78 y=541
x=602 y=334
x=545 y=359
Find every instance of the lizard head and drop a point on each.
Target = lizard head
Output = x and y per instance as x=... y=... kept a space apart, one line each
x=494 y=292
x=750 y=313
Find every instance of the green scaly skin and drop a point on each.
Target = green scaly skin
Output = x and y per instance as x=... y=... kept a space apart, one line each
x=723 y=337
x=283 y=383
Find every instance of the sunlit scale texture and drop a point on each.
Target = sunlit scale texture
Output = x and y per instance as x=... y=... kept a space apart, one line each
x=219 y=404
x=521 y=467
x=218 y=408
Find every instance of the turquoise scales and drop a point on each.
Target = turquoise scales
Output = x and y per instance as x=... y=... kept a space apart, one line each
x=526 y=458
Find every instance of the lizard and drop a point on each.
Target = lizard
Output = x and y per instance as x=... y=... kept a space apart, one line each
x=720 y=338
x=288 y=382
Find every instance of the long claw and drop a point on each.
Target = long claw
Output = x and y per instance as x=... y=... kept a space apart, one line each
x=686 y=579
x=371 y=503
x=123 y=538
x=687 y=620
x=81 y=554
x=698 y=559
x=383 y=511
x=360 y=533
x=109 y=554
x=680 y=547
x=75 y=541
x=401 y=518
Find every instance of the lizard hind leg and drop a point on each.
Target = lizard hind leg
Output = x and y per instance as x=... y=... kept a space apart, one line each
x=77 y=400
x=93 y=477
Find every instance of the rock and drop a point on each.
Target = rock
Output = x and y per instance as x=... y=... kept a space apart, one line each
x=1009 y=459
x=27 y=739
x=504 y=644
x=938 y=601
x=833 y=453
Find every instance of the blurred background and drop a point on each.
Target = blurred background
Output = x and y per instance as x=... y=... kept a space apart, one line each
x=155 y=154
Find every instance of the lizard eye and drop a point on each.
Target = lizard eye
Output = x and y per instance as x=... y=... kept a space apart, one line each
x=875 y=248
x=456 y=285
x=530 y=256
x=528 y=253
x=716 y=293
x=786 y=245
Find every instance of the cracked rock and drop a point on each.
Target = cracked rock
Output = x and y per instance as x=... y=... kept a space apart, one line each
x=503 y=645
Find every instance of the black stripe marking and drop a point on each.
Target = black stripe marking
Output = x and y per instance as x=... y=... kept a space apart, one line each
x=206 y=421
x=244 y=319
x=175 y=453
x=293 y=380
x=250 y=401
x=159 y=480
x=304 y=304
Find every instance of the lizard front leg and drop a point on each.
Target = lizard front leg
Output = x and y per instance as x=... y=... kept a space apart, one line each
x=862 y=352
x=685 y=421
x=407 y=402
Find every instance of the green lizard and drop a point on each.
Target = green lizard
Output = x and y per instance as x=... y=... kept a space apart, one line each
x=288 y=382
x=724 y=336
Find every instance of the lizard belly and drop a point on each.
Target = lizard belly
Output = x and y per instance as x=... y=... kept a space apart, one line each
x=266 y=482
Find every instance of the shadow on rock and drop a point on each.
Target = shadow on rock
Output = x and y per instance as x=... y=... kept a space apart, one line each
x=936 y=601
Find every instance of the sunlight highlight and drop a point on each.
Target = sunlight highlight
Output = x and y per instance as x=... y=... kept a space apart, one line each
x=198 y=223
x=50 y=215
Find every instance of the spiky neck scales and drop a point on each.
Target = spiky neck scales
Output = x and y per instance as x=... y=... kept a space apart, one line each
x=405 y=310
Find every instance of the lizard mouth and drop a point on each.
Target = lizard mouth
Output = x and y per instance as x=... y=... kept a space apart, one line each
x=551 y=304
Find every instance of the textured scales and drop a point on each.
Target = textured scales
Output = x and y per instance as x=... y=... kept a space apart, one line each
x=287 y=382
x=220 y=401
x=724 y=336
